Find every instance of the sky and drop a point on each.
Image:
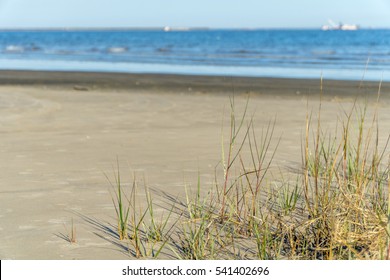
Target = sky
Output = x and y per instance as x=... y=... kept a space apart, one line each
x=192 y=13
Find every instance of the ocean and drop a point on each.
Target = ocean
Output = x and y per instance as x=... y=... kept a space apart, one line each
x=350 y=55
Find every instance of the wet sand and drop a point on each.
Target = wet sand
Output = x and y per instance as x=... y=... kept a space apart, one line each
x=62 y=134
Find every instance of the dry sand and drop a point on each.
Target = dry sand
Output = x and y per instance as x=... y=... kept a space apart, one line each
x=62 y=133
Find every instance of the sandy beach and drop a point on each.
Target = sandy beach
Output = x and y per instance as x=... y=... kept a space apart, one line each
x=63 y=134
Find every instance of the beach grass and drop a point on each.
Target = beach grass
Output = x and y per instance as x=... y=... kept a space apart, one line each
x=338 y=206
x=122 y=206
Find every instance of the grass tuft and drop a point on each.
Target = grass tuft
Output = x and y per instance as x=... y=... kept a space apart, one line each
x=338 y=207
x=121 y=205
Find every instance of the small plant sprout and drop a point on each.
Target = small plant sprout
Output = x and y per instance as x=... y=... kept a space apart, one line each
x=71 y=233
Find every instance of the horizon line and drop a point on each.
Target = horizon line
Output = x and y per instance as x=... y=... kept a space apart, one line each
x=166 y=28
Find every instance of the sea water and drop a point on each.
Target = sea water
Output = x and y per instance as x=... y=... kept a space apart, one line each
x=353 y=55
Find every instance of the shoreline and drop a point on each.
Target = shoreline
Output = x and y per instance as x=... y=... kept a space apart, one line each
x=195 y=83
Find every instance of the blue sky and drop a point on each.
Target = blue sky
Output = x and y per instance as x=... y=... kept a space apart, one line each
x=192 y=13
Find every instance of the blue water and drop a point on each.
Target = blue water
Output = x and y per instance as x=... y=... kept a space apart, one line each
x=266 y=53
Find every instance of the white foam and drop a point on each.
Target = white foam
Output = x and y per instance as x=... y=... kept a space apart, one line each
x=14 y=49
x=117 y=50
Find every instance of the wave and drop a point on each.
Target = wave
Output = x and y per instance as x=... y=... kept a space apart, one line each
x=21 y=49
x=14 y=49
x=117 y=49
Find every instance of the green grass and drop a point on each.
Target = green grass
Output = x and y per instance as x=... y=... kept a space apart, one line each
x=338 y=207
x=122 y=207
x=138 y=226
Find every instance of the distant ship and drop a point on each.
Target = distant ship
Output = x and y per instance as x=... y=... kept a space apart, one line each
x=168 y=28
x=340 y=26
